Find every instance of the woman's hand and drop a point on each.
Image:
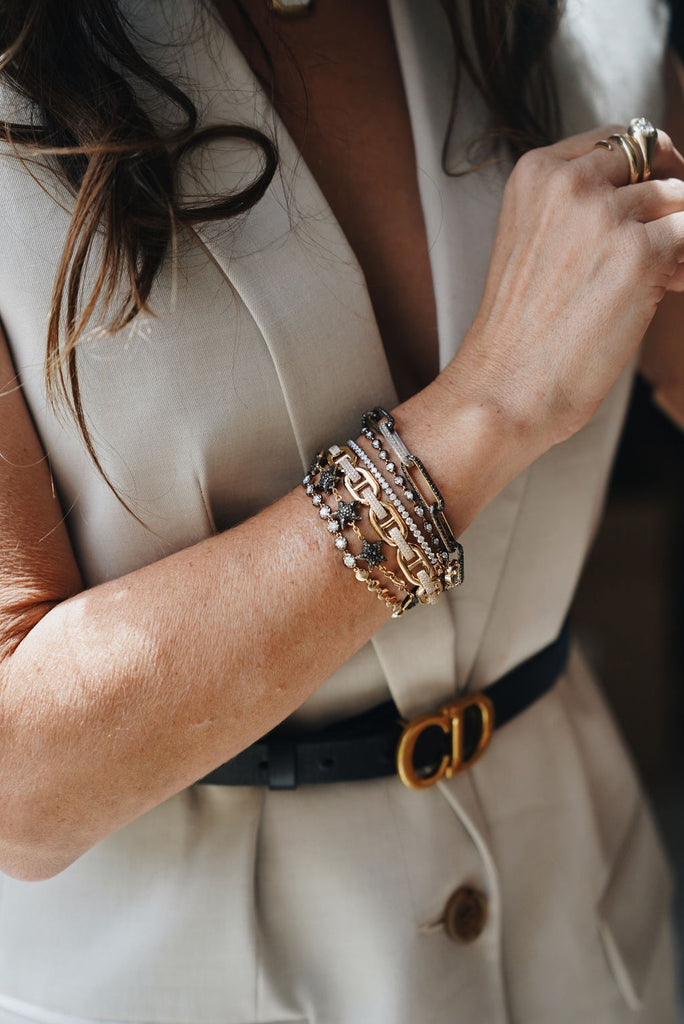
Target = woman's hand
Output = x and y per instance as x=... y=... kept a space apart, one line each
x=579 y=265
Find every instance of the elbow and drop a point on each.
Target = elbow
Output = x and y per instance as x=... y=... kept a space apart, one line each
x=32 y=869
x=33 y=863
x=36 y=845
x=38 y=837
x=40 y=828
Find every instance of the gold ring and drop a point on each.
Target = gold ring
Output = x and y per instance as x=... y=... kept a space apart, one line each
x=645 y=136
x=632 y=151
x=634 y=154
x=638 y=145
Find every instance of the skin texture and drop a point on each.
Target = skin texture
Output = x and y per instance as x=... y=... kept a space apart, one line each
x=113 y=699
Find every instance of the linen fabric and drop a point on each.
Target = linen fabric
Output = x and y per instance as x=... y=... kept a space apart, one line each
x=324 y=905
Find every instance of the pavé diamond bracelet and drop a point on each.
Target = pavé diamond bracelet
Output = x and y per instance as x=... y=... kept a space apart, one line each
x=419 y=540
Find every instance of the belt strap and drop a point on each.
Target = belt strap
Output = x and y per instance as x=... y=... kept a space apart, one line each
x=365 y=746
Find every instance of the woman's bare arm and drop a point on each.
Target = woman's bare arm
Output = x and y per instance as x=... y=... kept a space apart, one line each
x=114 y=698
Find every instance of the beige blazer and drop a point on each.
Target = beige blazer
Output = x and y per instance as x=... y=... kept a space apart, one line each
x=325 y=904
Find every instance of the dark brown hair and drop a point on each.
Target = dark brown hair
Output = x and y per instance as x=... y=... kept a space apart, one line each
x=504 y=49
x=76 y=63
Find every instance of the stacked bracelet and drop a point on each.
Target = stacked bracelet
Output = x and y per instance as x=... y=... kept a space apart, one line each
x=321 y=481
x=396 y=501
x=389 y=526
x=417 y=540
x=420 y=489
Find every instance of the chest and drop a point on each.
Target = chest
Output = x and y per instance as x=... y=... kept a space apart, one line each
x=338 y=90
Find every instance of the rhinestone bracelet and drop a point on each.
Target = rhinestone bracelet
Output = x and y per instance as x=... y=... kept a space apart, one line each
x=396 y=501
x=422 y=577
x=346 y=516
x=426 y=552
x=430 y=509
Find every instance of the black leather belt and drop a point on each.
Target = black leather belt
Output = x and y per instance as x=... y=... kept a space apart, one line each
x=378 y=742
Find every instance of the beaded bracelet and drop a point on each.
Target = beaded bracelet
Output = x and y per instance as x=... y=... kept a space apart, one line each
x=422 y=577
x=346 y=516
x=427 y=554
x=429 y=508
x=396 y=501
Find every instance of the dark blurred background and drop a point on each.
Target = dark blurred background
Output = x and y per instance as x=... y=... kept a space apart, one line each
x=629 y=610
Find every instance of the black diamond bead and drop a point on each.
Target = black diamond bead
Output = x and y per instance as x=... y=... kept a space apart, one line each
x=327 y=479
x=347 y=513
x=371 y=553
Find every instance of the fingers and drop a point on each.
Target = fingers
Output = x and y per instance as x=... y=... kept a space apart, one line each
x=651 y=200
x=666 y=237
x=668 y=162
x=580 y=145
x=612 y=165
x=596 y=163
x=676 y=282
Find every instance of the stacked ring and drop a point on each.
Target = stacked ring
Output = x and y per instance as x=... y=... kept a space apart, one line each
x=645 y=136
x=638 y=145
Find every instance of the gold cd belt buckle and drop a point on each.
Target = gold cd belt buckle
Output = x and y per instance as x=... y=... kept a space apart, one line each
x=451 y=720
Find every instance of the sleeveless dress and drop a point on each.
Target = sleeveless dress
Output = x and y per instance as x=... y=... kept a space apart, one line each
x=324 y=905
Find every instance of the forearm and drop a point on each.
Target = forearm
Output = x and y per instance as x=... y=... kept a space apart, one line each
x=124 y=694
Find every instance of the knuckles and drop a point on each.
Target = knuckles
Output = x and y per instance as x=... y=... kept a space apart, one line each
x=543 y=182
x=640 y=261
x=541 y=171
x=634 y=250
x=665 y=146
x=533 y=163
x=569 y=181
x=671 y=190
x=532 y=169
x=548 y=195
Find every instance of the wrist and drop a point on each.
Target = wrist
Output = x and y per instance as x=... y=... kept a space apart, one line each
x=471 y=441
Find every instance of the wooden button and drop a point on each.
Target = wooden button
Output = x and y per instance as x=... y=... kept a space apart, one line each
x=465 y=914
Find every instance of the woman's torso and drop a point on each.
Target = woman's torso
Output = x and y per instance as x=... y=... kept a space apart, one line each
x=265 y=346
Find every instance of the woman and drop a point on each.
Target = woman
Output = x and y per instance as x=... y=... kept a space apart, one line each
x=160 y=630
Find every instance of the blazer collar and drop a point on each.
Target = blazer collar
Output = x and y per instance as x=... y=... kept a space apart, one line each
x=292 y=267
x=287 y=258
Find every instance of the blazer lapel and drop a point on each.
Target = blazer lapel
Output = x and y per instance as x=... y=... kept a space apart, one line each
x=461 y=215
x=287 y=257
